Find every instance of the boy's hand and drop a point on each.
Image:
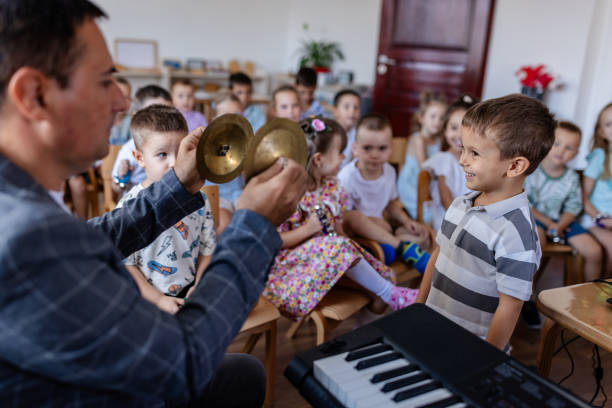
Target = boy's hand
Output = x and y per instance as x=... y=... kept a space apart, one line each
x=124 y=167
x=186 y=168
x=553 y=229
x=169 y=304
x=415 y=228
x=275 y=192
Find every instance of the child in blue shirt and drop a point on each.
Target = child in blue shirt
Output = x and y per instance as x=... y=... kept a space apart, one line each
x=241 y=85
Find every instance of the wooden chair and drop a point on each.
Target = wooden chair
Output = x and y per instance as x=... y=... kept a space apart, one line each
x=106 y=169
x=423 y=192
x=261 y=320
x=573 y=263
x=398 y=152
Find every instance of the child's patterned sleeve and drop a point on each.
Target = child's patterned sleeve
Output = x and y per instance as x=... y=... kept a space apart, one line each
x=573 y=203
x=208 y=235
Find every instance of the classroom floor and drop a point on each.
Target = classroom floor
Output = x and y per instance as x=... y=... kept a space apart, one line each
x=525 y=344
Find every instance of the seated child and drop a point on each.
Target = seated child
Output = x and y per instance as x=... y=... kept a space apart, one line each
x=556 y=198
x=229 y=192
x=242 y=86
x=347 y=110
x=126 y=162
x=597 y=186
x=306 y=84
x=120 y=132
x=315 y=254
x=285 y=103
x=370 y=183
x=183 y=99
x=423 y=143
x=171 y=266
x=483 y=269
x=448 y=180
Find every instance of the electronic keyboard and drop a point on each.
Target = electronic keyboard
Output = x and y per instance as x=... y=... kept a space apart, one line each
x=416 y=357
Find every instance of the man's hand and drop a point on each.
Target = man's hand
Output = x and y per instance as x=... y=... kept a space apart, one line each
x=186 y=168
x=275 y=192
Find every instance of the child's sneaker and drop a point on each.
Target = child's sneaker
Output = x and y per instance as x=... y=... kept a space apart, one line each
x=415 y=255
x=402 y=297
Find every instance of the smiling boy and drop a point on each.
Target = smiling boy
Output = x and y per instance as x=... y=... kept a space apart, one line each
x=489 y=251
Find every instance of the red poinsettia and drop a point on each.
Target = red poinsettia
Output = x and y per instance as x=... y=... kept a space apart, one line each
x=535 y=77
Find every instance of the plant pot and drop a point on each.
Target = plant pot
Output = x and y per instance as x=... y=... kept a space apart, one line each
x=320 y=70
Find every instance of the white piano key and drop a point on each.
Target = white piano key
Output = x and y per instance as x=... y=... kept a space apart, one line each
x=423 y=399
x=362 y=378
x=385 y=399
x=459 y=405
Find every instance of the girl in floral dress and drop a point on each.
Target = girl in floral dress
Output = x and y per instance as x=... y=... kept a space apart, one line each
x=315 y=253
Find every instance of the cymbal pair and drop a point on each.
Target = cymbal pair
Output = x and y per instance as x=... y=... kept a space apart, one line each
x=228 y=147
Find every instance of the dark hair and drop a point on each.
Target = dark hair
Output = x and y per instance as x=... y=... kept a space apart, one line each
x=156 y=118
x=373 y=121
x=464 y=102
x=569 y=126
x=182 y=81
x=306 y=77
x=42 y=35
x=319 y=141
x=599 y=141
x=283 y=88
x=239 y=78
x=151 y=92
x=426 y=99
x=345 y=92
x=519 y=124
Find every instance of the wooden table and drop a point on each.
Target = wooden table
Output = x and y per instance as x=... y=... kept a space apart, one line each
x=582 y=309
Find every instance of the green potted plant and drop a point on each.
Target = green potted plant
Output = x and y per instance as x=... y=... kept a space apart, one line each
x=320 y=55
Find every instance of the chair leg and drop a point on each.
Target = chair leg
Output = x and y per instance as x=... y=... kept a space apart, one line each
x=295 y=327
x=579 y=260
x=251 y=342
x=322 y=326
x=568 y=260
x=270 y=364
x=550 y=332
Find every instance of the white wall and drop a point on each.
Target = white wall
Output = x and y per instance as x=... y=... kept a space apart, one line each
x=267 y=32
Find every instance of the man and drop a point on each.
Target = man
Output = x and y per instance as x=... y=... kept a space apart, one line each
x=74 y=329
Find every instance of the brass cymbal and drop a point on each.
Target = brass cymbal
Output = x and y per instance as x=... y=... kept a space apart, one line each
x=223 y=148
x=278 y=138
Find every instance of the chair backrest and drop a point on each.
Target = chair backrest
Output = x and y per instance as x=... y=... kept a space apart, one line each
x=398 y=152
x=423 y=192
x=106 y=169
x=212 y=194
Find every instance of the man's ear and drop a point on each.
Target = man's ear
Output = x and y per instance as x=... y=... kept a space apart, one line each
x=27 y=90
x=138 y=156
x=518 y=165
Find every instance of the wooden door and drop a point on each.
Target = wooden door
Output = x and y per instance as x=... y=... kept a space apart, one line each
x=436 y=44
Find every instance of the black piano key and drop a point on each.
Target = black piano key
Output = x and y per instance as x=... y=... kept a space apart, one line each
x=413 y=379
x=413 y=392
x=446 y=402
x=396 y=372
x=374 y=361
x=370 y=351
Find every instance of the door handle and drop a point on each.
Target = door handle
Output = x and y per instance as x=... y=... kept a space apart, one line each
x=383 y=59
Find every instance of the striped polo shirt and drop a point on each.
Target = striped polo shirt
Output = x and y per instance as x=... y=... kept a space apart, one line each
x=484 y=250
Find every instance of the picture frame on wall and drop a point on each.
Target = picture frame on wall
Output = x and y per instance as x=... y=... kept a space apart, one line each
x=139 y=55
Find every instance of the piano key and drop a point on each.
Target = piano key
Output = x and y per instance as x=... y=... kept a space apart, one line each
x=387 y=375
x=444 y=403
x=413 y=392
x=380 y=399
x=367 y=351
x=403 y=382
x=424 y=399
x=460 y=405
x=364 y=389
x=374 y=361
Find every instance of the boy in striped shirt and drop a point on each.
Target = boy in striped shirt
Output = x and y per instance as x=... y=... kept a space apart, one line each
x=489 y=251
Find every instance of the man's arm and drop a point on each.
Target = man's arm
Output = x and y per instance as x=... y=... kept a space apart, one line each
x=504 y=320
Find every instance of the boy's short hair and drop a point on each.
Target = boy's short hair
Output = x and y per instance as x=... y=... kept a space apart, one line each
x=239 y=78
x=345 y=92
x=306 y=77
x=283 y=88
x=373 y=121
x=156 y=118
x=151 y=92
x=519 y=125
x=569 y=126
x=182 y=81
x=224 y=97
